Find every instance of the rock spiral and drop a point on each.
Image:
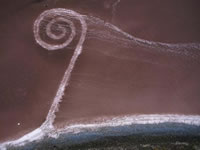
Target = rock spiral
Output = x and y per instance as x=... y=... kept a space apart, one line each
x=55 y=29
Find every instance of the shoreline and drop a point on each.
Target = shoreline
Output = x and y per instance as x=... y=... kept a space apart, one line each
x=138 y=120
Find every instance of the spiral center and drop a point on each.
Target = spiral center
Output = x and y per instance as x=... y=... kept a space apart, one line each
x=61 y=29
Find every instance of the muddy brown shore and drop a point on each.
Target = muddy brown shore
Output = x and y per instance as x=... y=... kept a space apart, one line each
x=100 y=85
